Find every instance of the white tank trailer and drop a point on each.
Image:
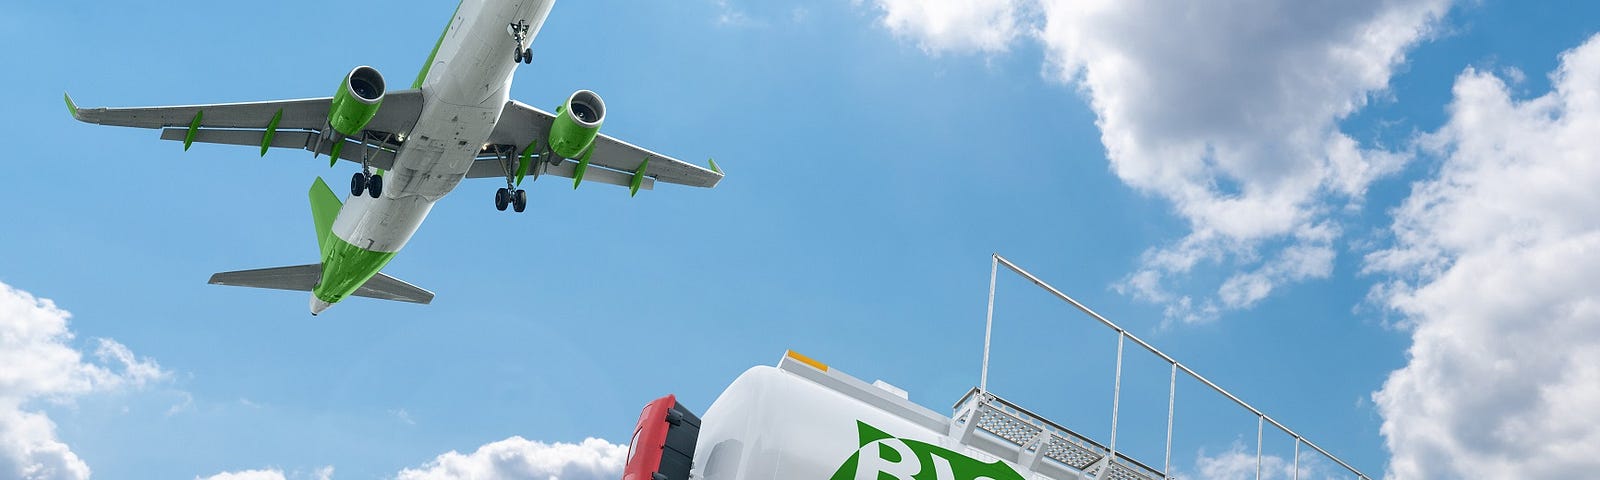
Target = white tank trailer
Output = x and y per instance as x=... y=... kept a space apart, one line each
x=804 y=420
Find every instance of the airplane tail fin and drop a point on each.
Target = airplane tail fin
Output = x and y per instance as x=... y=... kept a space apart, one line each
x=325 y=207
x=304 y=278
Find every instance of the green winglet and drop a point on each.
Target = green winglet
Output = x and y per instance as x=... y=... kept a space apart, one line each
x=194 y=127
x=71 y=107
x=714 y=167
x=527 y=157
x=583 y=166
x=272 y=131
x=333 y=158
x=638 y=178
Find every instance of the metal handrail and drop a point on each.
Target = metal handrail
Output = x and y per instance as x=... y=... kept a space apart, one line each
x=1125 y=334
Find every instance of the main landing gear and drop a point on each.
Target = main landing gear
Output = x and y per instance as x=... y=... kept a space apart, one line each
x=365 y=180
x=517 y=199
x=519 y=32
x=509 y=195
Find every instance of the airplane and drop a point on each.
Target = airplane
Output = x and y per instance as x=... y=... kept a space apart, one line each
x=457 y=121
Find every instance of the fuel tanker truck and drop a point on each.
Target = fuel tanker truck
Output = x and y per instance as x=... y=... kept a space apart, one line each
x=805 y=420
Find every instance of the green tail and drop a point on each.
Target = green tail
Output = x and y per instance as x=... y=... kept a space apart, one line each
x=324 y=208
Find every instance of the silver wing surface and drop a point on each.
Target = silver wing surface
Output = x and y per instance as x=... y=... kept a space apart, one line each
x=297 y=124
x=618 y=162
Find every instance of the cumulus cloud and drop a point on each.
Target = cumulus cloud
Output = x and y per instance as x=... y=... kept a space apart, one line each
x=955 y=25
x=269 y=474
x=1494 y=269
x=516 y=457
x=1227 y=109
x=1239 y=463
x=39 y=363
x=324 y=473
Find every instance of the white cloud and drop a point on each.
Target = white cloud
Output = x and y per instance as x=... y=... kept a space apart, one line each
x=1239 y=463
x=516 y=457
x=39 y=363
x=731 y=16
x=955 y=25
x=1228 y=109
x=268 y=474
x=1495 y=268
x=324 y=473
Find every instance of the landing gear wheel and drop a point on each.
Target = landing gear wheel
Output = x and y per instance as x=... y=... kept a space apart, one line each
x=517 y=58
x=502 y=198
x=358 y=184
x=527 y=56
x=519 y=200
x=375 y=186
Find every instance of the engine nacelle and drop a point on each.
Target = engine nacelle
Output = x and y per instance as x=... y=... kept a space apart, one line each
x=357 y=101
x=577 y=122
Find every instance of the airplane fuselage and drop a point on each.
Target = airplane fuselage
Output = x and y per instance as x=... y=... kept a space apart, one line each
x=464 y=91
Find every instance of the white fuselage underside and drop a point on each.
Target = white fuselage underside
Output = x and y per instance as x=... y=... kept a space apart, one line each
x=463 y=94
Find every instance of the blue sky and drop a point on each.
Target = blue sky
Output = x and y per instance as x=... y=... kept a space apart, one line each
x=877 y=152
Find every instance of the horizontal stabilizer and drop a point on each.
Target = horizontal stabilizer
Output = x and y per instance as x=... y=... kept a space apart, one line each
x=301 y=278
x=304 y=278
x=389 y=288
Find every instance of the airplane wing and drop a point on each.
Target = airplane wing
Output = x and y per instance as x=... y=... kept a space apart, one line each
x=618 y=162
x=294 y=124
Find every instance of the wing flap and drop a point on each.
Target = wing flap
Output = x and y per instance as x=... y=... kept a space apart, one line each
x=383 y=159
x=491 y=169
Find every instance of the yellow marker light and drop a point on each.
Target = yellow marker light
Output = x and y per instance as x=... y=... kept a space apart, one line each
x=806 y=360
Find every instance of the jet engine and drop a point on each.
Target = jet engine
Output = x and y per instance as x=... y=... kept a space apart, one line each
x=576 y=124
x=357 y=101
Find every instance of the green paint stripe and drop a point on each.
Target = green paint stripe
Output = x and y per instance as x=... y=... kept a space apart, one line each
x=194 y=128
x=346 y=267
x=272 y=131
x=423 y=75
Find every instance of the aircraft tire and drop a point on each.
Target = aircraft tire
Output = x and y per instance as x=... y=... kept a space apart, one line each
x=519 y=200
x=375 y=186
x=502 y=198
x=358 y=184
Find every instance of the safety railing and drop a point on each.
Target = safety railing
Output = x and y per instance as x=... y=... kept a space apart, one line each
x=1122 y=468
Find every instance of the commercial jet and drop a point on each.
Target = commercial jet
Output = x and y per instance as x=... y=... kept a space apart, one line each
x=456 y=121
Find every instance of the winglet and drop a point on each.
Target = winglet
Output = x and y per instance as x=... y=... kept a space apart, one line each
x=71 y=107
x=714 y=167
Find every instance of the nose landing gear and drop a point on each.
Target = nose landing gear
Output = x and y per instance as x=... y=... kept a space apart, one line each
x=519 y=33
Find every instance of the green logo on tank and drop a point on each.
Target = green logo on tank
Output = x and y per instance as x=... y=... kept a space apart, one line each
x=884 y=457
